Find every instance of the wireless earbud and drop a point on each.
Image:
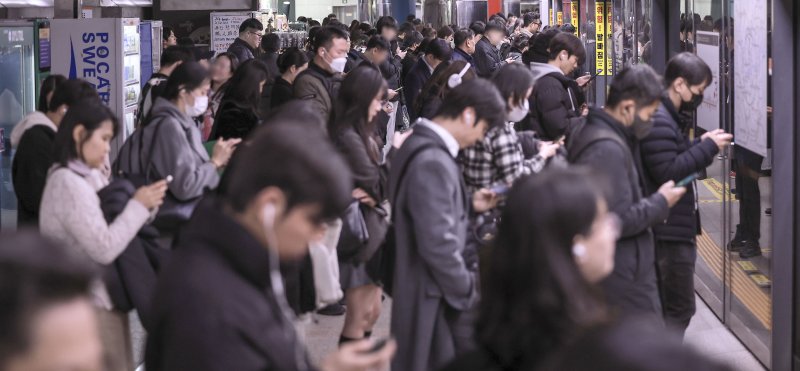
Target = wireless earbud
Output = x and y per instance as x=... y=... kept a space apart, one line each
x=579 y=250
x=455 y=79
x=268 y=216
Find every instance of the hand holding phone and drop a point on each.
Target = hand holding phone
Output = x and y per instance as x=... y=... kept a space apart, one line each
x=686 y=181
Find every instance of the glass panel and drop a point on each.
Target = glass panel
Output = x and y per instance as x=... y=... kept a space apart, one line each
x=17 y=96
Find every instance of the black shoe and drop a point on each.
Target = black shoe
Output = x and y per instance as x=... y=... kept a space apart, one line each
x=749 y=250
x=332 y=310
x=736 y=245
x=768 y=211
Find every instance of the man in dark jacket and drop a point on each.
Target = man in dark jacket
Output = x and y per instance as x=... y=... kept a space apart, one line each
x=667 y=154
x=245 y=47
x=465 y=41
x=555 y=106
x=608 y=143
x=435 y=285
x=487 y=56
x=35 y=152
x=319 y=84
x=437 y=52
x=220 y=303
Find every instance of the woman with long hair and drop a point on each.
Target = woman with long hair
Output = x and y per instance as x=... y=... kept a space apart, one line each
x=71 y=210
x=291 y=63
x=433 y=92
x=222 y=70
x=352 y=128
x=555 y=243
x=239 y=111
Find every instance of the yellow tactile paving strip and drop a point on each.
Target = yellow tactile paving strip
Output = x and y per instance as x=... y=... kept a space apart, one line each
x=754 y=298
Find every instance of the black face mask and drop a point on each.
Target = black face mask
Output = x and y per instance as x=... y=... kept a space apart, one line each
x=691 y=105
x=641 y=128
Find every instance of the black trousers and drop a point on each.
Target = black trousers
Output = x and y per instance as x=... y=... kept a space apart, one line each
x=748 y=168
x=675 y=263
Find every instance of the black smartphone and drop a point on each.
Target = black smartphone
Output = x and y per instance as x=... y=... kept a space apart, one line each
x=378 y=345
x=686 y=181
x=592 y=77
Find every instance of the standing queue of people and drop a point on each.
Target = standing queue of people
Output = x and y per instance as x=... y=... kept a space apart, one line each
x=509 y=223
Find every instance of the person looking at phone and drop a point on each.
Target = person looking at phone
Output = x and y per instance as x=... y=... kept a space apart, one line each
x=227 y=261
x=487 y=56
x=607 y=143
x=668 y=154
x=71 y=209
x=556 y=104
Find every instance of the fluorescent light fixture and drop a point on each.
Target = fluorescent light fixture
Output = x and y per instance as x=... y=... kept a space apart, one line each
x=286 y=3
x=26 y=3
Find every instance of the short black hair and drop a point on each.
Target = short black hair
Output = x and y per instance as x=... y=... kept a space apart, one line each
x=244 y=87
x=513 y=81
x=302 y=19
x=540 y=45
x=89 y=113
x=568 y=27
x=35 y=273
x=251 y=23
x=412 y=38
x=494 y=26
x=271 y=43
x=49 y=85
x=477 y=27
x=378 y=42
x=292 y=57
x=461 y=36
x=444 y=32
x=568 y=42
x=638 y=82
x=529 y=18
x=439 y=49
x=689 y=66
x=175 y=54
x=71 y=92
x=189 y=75
x=384 y=22
x=310 y=169
x=481 y=95
x=166 y=32
x=325 y=36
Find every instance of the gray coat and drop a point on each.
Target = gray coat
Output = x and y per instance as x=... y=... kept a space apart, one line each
x=631 y=287
x=433 y=286
x=178 y=151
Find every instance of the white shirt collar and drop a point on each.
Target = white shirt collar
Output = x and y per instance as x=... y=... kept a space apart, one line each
x=426 y=63
x=449 y=139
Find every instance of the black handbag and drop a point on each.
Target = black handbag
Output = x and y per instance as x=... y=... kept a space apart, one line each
x=173 y=212
x=354 y=232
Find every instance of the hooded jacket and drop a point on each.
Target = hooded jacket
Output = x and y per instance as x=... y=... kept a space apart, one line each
x=554 y=103
x=36 y=136
x=30 y=120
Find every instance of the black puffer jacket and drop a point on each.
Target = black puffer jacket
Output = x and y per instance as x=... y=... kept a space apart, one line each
x=555 y=107
x=668 y=155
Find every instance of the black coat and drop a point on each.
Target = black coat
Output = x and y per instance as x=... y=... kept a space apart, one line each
x=242 y=50
x=34 y=157
x=234 y=120
x=632 y=286
x=487 y=58
x=408 y=63
x=216 y=307
x=415 y=80
x=271 y=60
x=282 y=92
x=668 y=155
x=554 y=106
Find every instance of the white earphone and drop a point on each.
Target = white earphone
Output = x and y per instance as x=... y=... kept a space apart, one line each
x=455 y=79
x=579 y=250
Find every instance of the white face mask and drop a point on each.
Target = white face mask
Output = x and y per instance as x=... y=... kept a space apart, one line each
x=518 y=113
x=200 y=106
x=337 y=64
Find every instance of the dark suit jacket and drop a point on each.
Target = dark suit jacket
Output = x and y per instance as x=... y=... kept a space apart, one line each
x=431 y=278
x=487 y=58
x=415 y=80
x=215 y=306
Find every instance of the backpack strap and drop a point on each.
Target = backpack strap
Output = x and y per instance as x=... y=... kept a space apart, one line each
x=595 y=136
x=404 y=169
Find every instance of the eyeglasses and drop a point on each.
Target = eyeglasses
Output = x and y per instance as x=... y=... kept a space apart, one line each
x=256 y=33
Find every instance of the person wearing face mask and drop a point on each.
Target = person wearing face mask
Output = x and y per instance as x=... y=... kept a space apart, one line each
x=220 y=303
x=608 y=143
x=291 y=63
x=434 y=274
x=320 y=82
x=487 y=56
x=71 y=211
x=170 y=144
x=668 y=154
x=498 y=159
x=555 y=102
x=570 y=239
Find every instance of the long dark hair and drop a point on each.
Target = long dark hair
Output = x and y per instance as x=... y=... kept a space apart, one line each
x=437 y=86
x=49 y=85
x=244 y=85
x=234 y=65
x=89 y=113
x=351 y=108
x=188 y=76
x=535 y=298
